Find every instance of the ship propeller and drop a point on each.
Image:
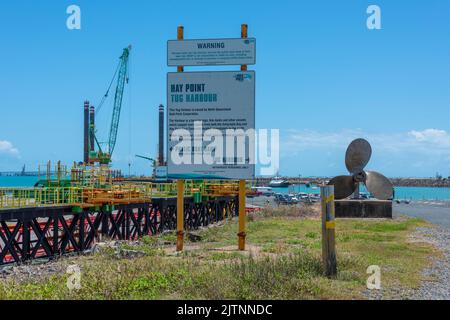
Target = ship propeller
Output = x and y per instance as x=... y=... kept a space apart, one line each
x=357 y=157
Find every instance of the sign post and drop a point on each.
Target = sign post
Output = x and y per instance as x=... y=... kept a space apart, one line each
x=211 y=117
x=328 y=226
x=242 y=191
x=180 y=182
x=180 y=214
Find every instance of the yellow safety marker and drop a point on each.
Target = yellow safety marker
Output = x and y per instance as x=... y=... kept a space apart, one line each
x=330 y=225
x=328 y=199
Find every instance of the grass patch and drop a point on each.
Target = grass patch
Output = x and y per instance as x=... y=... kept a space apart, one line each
x=285 y=263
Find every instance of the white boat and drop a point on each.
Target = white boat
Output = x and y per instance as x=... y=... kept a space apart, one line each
x=279 y=183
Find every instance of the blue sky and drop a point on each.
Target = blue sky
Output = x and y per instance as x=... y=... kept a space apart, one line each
x=323 y=78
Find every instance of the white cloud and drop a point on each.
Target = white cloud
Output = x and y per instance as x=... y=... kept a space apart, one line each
x=7 y=147
x=428 y=141
x=297 y=141
x=434 y=136
x=407 y=153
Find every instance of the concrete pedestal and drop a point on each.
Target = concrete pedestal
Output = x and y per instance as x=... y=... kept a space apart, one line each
x=363 y=209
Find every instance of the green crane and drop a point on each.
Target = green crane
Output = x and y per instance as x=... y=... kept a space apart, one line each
x=147 y=158
x=104 y=157
x=153 y=161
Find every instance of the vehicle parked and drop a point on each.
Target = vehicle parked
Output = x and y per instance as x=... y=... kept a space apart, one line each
x=263 y=191
x=281 y=198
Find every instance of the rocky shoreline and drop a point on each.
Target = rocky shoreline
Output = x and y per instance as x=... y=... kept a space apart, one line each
x=398 y=182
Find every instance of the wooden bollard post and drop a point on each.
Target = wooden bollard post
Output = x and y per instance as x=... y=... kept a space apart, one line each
x=180 y=214
x=328 y=230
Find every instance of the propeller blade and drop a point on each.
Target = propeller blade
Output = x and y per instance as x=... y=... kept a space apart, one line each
x=380 y=186
x=358 y=155
x=344 y=186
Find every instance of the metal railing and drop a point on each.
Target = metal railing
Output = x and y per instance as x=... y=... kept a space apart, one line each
x=11 y=198
x=32 y=197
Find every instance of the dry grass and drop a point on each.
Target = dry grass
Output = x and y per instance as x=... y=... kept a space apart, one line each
x=286 y=211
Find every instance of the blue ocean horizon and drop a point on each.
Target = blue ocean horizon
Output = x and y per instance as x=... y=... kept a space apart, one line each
x=401 y=193
x=410 y=193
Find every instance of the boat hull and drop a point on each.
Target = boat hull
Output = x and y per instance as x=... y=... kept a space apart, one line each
x=282 y=184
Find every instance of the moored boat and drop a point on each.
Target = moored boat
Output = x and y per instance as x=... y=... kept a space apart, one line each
x=279 y=183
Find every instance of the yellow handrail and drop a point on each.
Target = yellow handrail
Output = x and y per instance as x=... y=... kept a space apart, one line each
x=116 y=193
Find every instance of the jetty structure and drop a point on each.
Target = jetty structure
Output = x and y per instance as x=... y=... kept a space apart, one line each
x=70 y=214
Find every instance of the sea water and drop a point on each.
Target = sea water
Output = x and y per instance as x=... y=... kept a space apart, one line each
x=411 y=193
x=18 y=181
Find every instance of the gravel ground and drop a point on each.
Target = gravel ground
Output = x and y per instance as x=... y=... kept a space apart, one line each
x=437 y=285
x=33 y=271
x=40 y=269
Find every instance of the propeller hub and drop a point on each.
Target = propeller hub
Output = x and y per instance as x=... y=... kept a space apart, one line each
x=360 y=177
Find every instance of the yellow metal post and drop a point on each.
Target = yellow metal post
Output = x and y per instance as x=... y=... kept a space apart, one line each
x=180 y=214
x=241 y=234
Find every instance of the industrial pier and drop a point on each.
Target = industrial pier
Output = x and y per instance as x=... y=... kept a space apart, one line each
x=46 y=222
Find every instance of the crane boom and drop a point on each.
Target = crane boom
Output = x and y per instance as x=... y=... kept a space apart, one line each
x=147 y=158
x=121 y=79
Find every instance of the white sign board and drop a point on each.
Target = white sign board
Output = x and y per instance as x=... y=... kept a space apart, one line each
x=216 y=114
x=211 y=52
